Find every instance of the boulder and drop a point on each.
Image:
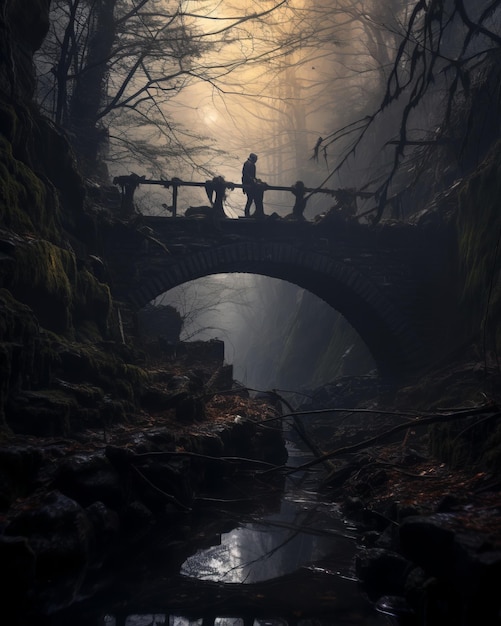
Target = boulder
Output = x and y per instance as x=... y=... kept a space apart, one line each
x=89 y=478
x=59 y=533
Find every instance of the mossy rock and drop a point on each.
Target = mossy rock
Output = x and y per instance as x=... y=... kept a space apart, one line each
x=63 y=410
x=100 y=365
x=27 y=204
x=44 y=277
x=478 y=227
x=41 y=189
x=462 y=443
x=44 y=413
x=19 y=345
x=92 y=302
x=48 y=279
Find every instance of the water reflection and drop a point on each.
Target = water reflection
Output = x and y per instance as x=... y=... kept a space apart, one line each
x=179 y=620
x=296 y=562
x=302 y=532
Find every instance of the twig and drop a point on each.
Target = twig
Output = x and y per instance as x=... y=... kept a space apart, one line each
x=398 y=469
x=222 y=459
x=222 y=500
x=375 y=412
x=304 y=529
x=387 y=433
x=470 y=426
x=301 y=431
x=169 y=496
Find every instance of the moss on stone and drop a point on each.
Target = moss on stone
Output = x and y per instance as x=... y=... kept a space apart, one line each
x=102 y=366
x=19 y=337
x=43 y=278
x=27 y=204
x=92 y=304
x=64 y=295
x=8 y=121
x=479 y=230
x=461 y=443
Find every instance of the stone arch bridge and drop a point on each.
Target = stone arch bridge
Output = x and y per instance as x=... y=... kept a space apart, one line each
x=381 y=278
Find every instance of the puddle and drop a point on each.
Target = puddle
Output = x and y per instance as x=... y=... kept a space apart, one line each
x=304 y=531
x=292 y=566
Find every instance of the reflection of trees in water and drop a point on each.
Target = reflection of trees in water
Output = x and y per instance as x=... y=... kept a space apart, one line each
x=228 y=621
x=218 y=563
x=261 y=551
x=179 y=620
x=146 y=620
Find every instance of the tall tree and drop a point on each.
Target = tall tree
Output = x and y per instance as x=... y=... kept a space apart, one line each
x=110 y=61
x=441 y=89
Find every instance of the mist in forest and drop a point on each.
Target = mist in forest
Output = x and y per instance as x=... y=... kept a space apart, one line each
x=384 y=97
x=323 y=67
x=279 y=110
x=276 y=335
x=336 y=79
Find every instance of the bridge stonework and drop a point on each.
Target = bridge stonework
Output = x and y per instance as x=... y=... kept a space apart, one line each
x=382 y=278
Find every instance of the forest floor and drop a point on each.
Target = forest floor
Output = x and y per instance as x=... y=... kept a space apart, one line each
x=451 y=467
x=402 y=469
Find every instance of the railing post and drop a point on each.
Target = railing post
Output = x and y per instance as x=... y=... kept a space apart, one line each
x=175 y=188
x=128 y=185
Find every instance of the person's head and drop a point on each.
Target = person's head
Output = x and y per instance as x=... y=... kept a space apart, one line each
x=252 y=157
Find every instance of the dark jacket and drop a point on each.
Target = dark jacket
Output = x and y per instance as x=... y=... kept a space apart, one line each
x=248 y=173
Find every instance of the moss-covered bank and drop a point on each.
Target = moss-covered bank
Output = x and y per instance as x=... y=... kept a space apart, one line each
x=479 y=233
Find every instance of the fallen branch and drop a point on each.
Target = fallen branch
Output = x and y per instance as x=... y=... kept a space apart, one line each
x=388 y=433
x=301 y=431
x=470 y=426
x=376 y=412
x=304 y=529
x=168 y=496
x=205 y=457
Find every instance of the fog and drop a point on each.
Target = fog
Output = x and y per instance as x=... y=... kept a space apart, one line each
x=272 y=86
x=276 y=335
x=343 y=94
x=278 y=109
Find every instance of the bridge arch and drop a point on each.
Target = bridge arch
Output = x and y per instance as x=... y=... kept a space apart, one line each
x=382 y=326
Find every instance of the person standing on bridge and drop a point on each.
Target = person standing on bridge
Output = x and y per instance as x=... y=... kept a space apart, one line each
x=253 y=188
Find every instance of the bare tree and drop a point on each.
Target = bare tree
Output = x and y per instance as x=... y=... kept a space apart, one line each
x=117 y=63
x=203 y=305
x=446 y=62
x=334 y=67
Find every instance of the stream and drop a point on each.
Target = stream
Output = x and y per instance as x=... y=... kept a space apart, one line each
x=301 y=532
x=288 y=560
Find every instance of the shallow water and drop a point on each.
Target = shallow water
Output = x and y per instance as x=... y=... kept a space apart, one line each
x=300 y=532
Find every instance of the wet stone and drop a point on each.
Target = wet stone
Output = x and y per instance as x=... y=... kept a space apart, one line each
x=59 y=533
x=90 y=478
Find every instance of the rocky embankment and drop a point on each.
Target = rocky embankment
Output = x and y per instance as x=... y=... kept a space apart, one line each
x=98 y=437
x=426 y=497
x=68 y=503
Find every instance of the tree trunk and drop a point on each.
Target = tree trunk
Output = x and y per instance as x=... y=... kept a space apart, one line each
x=90 y=87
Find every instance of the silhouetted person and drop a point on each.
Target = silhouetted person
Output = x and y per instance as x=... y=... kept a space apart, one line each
x=252 y=187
